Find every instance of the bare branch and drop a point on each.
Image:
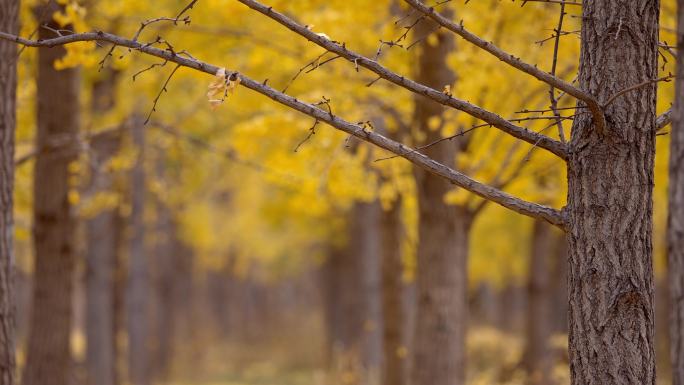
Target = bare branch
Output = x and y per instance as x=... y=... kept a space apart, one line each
x=163 y=89
x=493 y=119
x=552 y=90
x=552 y=80
x=521 y=206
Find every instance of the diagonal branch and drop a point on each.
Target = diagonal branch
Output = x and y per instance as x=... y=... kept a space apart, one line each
x=550 y=79
x=446 y=99
x=521 y=206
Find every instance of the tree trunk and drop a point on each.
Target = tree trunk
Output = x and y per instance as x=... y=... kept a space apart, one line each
x=9 y=21
x=101 y=252
x=353 y=295
x=610 y=177
x=442 y=310
x=560 y=286
x=675 y=232
x=395 y=365
x=138 y=268
x=48 y=352
x=537 y=358
x=165 y=272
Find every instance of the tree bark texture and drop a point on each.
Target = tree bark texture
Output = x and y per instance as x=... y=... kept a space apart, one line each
x=48 y=351
x=9 y=21
x=610 y=177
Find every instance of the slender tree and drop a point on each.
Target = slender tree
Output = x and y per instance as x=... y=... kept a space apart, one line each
x=101 y=248
x=538 y=359
x=394 y=312
x=48 y=357
x=675 y=231
x=9 y=21
x=138 y=284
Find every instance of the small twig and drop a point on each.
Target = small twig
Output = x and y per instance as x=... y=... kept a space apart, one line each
x=162 y=64
x=163 y=89
x=552 y=89
x=636 y=87
x=312 y=132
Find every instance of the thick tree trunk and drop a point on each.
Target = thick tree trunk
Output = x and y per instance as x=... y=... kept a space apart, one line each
x=610 y=198
x=675 y=234
x=395 y=364
x=138 y=290
x=101 y=253
x=442 y=309
x=48 y=353
x=537 y=357
x=9 y=21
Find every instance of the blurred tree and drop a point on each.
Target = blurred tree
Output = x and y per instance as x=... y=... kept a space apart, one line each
x=48 y=357
x=538 y=359
x=101 y=242
x=439 y=342
x=9 y=21
x=138 y=283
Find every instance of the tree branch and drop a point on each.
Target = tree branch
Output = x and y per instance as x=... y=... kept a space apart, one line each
x=550 y=79
x=534 y=210
x=495 y=120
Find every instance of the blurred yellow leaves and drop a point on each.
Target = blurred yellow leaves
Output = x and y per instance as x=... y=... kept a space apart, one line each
x=80 y=53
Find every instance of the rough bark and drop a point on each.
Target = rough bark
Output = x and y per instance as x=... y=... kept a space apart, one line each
x=610 y=175
x=395 y=359
x=48 y=351
x=675 y=232
x=537 y=359
x=101 y=252
x=9 y=21
x=439 y=341
x=138 y=290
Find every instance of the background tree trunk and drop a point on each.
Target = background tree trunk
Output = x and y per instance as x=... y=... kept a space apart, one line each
x=610 y=198
x=48 y=353
x=538 y=359
x=439 y=351
x=675 y=232
x=395 y=360
x=138 y=291
x=353 y=296
x=164 y=274
x=101 y=250
x=9 y=21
